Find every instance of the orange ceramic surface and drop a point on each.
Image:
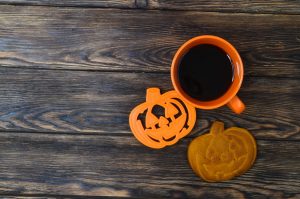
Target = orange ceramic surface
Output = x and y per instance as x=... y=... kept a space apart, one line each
x=158 y=131
x=221 y=155
x=229 y=97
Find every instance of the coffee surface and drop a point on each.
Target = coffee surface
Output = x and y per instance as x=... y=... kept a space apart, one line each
x=205 y=72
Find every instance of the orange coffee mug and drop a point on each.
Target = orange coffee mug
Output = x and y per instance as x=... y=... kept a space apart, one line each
x=229 y=97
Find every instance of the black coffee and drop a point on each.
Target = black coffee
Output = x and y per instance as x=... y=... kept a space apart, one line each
x=205 y=72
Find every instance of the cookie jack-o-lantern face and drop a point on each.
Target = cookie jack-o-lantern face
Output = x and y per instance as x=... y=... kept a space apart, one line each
x=155 y=130
x=221 y=155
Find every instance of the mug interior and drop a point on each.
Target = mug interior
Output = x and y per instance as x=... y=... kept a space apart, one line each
x=237 y=74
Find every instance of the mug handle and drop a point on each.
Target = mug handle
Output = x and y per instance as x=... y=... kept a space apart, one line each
x=236 y=105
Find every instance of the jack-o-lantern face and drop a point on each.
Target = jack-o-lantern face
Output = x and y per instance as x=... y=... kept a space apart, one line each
x=154 y=130
x=221 y=155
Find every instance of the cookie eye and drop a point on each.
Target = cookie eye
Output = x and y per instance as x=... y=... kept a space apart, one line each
x=210 y=153
x=233 y=146
x=224 y=156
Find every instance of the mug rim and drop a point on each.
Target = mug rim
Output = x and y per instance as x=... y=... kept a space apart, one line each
x=236 y=62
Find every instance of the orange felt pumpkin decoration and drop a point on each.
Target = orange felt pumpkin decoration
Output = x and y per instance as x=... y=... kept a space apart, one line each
x=158 y=131
x=220 y=155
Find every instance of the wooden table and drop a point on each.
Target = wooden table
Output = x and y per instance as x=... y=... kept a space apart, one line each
x=71 y=71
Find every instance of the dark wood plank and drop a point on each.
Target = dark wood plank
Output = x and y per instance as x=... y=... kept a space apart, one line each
x=53 y=196
x=253 y=6
x=135 y=40
x=256 y=6
x=100 y=102
x=14 y=196
x=75 y=3
x=120 y=166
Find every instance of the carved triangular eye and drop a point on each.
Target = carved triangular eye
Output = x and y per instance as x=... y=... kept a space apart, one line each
x=151 y=119
x=163 y=121
x=170 y=110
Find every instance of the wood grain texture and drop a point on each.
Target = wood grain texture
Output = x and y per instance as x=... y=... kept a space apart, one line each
x=94 y=102
x=120 y=166
x=141 y=41
x=32 y=196
x=53 y=196
x=256 y=6
x=75 y=3
x=253 y=6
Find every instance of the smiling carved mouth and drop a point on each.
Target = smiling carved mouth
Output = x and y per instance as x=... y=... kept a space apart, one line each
x=169 y=139
x=233 y=166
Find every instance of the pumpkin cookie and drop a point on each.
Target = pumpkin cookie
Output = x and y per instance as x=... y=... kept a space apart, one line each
x=221 y=155
x=155 y=130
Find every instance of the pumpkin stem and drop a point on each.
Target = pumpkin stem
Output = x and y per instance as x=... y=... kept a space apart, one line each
x=217 y=127
x=152 y=95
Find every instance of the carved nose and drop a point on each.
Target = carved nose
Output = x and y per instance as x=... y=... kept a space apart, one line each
x=151 y=120
x=162 y=121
